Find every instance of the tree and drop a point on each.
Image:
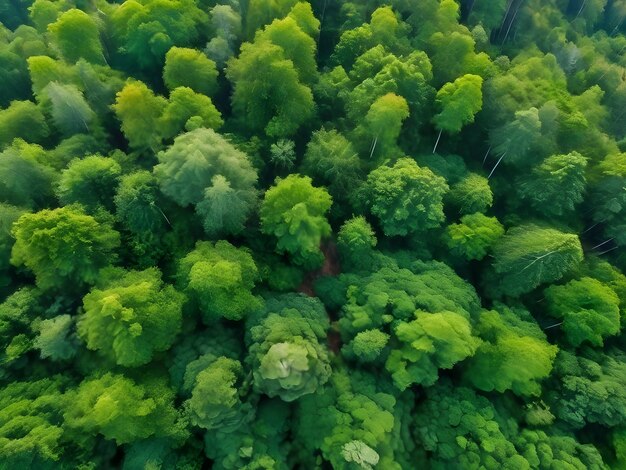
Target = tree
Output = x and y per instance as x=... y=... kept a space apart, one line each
x=283 y=154
x=514 y=354
x=356 y=241
x=268 y=94
x=71 y=114
x=144 y=32
x=190 y=68
x=384 y=121
x=470 y=195
x=297 y=45
x=405 y=198
x=140 y=315
x=468 y=433
x=91 y=182
x=30 y=423
x=63 y=247
x=588 y=308
x=528 y=256
x=219 y=278
x=331 y=160
x=516 y=138
x=139 y=111
x=76 y=36
x=453 y=56
x=187 y=110
x=557 y=185
x=459 y=101
x=119 y=408
x=24 y=120
x=429 y=342
x=201 y=168
x=474 y=236
x=24 y=181
x=8 y=215
x=262 y=12
x=293 y=211
x=586 y=390
x=215 y=401
x=286 y=350
x=56 y=339
x=138 y=204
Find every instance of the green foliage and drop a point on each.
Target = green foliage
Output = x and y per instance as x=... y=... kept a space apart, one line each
x=589 y=310
x=119 y=408
x=214 y=401
x=474 y=236
x=528 y=256
x=63 y=247
x=75 y=34
x=220 y=278
x=355 y=243
x=139 y=111
x=587 y=388
x=430 y=342
x=187 y=110
x=293 y=211
x=55 y=338
x=471 y=194
x=286 y=353
x=137 y=202
x=350 y=408
x=22 y=119
x=405 y=197
x=459 y=427
x=315 y=287
x=268 y=95
x=200 y=168
x=71 y=114
x=555 y=186
x=137 y=313
x=459 y=102
x=190 y=68
x=384 y=121
x=30 y=431
x=24 y=180
x=514 y=354
x=91 y=182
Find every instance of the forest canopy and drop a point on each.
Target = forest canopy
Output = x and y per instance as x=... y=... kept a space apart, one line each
x=289 y=234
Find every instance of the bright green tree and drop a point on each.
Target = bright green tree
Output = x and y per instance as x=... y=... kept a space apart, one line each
x=121 y=409
x=130 y=316
x=139 y=111
x=268 y=95
x=219 y=278
x=405 y=197
x=384 y=122
x=514 y=354
x=588 y=308
x=294 y=211
x=91 y=182
x=63 y=247
x=528 y=256
x=471 y=194
x=188 y=110
x=75 y=34
x=474 y=236
x=458 y=101
x=190 y=68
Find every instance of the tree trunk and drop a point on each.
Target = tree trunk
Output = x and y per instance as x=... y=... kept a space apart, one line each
x=437 y=142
